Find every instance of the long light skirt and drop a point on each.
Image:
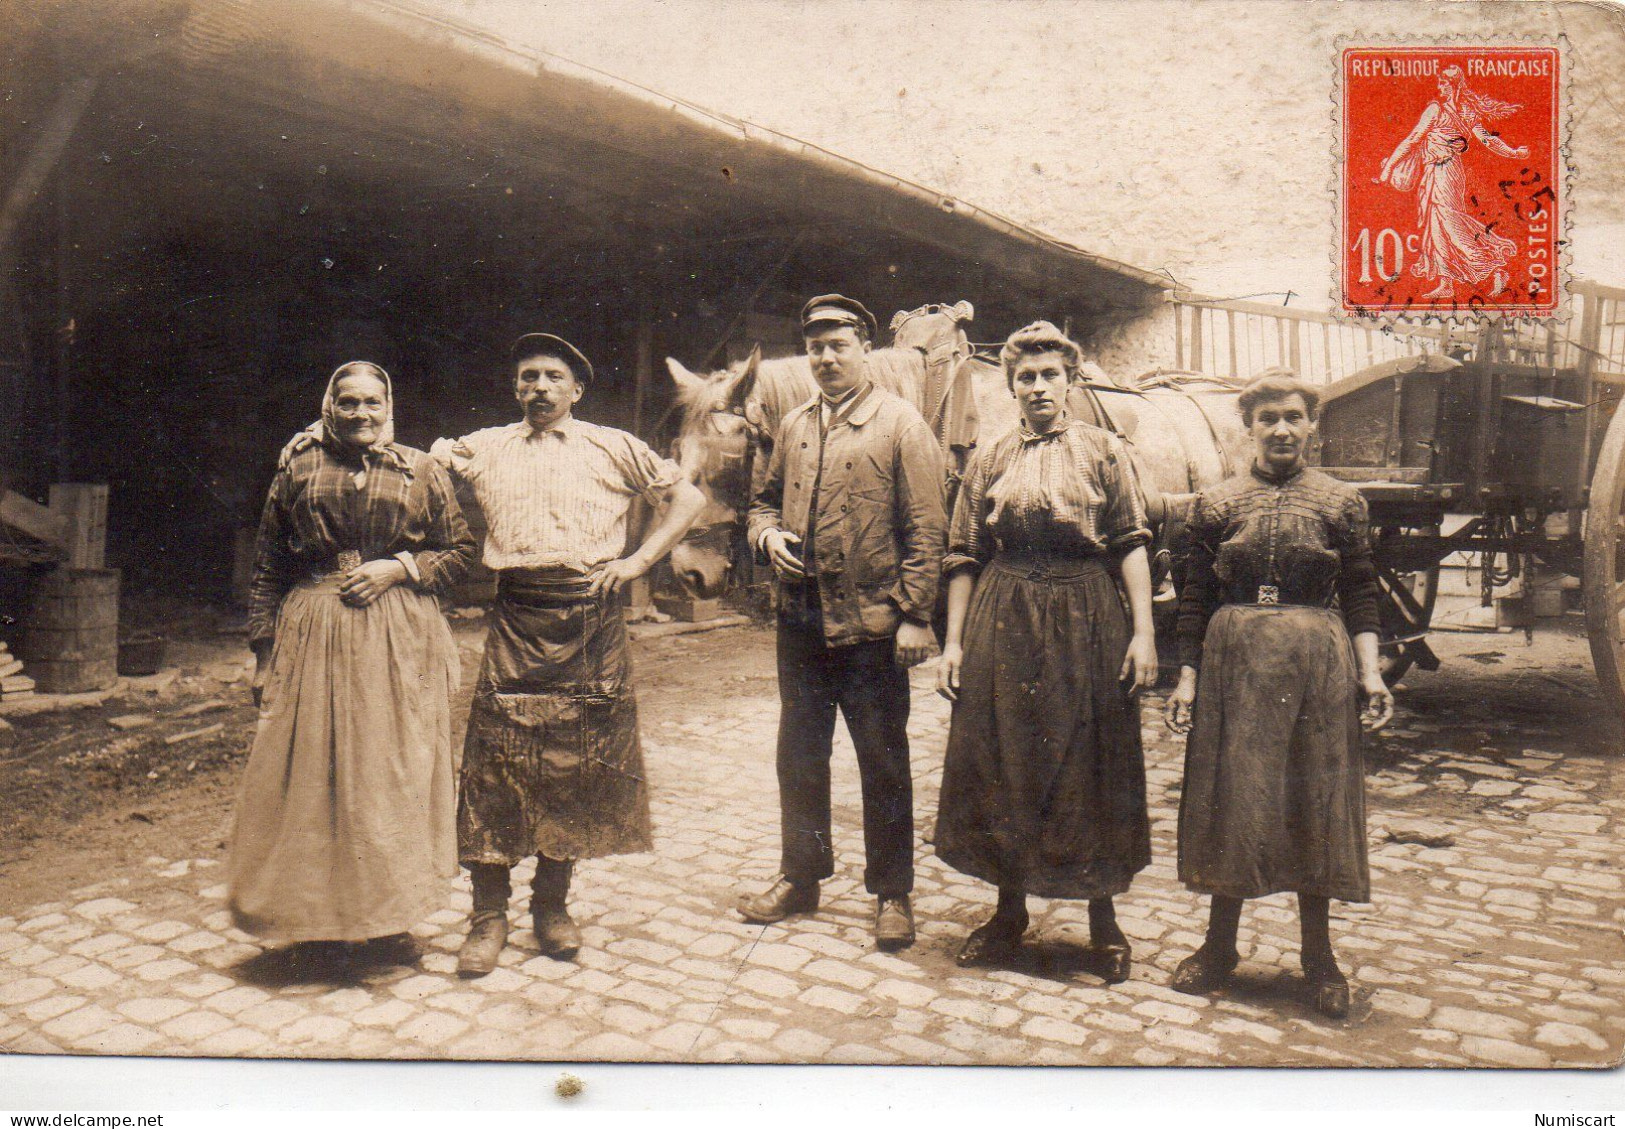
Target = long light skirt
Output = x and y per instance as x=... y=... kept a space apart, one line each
x=346 y=821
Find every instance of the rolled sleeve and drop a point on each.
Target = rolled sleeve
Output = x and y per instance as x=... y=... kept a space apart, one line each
x=970 y=545
x=453 y=454
x=646 y=473
x=1123 y=522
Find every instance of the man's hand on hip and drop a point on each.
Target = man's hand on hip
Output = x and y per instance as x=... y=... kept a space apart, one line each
x=915 y=644
x=607 y=580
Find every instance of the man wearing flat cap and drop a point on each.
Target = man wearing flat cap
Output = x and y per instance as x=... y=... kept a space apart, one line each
x=552 y=766
x=850 y=515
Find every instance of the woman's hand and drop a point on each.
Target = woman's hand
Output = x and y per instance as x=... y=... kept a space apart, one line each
x=953 y=656
x=365 y=583
x=1182 y=702
x=1377 y=710
x=1140 y=664
x=262 y=670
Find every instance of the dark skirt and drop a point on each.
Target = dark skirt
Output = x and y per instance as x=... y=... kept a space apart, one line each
x=552 y=764
x=1043 y=786
x=1274 y=795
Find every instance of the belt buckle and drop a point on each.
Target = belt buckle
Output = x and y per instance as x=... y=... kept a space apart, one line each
x=349 y=560
x=1268 y=595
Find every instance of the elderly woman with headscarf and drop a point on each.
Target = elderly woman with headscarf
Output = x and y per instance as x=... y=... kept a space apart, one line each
x=1273 y=692
x=1043 y=788
x=345 y=827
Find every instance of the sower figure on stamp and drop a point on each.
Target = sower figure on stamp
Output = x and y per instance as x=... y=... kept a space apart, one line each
x=850 y=515
x=552 y=765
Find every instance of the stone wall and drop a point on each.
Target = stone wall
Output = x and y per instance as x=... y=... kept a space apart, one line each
x=1193 y=138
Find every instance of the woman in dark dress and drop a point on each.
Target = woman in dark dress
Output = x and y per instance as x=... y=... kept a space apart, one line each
x=1270 y=691
x=345 y=823
x=1043 y=788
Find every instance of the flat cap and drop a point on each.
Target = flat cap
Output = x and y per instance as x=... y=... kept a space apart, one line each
x=841 y=310
x=548 y=345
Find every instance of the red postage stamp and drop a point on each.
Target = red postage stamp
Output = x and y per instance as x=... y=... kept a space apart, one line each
x=1451 y=192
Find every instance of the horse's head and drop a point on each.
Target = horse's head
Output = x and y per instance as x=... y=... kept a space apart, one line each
x=924 y=327
x=714 y=445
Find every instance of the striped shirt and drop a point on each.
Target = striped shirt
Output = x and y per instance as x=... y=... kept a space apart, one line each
x=556 y=498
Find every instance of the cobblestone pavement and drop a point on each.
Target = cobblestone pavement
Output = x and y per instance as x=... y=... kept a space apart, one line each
x=1495 y=938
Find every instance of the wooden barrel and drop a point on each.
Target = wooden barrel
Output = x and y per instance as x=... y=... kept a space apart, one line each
x=69 y=642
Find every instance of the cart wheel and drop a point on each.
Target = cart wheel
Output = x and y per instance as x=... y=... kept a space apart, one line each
x=1603 y=577
x=1407 y=606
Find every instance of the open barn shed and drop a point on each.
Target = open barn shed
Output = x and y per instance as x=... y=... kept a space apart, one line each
x=209 y=204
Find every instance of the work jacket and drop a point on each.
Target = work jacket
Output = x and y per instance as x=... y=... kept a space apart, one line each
x=880 y=525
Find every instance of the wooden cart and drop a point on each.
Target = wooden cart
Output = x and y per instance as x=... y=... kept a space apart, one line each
x=1500 y=443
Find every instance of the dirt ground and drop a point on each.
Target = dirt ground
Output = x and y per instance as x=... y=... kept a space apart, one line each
x=86 y=801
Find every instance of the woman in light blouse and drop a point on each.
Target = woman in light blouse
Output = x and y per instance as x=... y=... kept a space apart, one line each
x=1043 y=788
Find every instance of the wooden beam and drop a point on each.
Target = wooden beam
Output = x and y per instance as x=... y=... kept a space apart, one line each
x=643 y=370
x=83 y=505
x=39 y=522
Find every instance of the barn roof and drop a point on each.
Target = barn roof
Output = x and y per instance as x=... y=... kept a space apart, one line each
x=381 y=90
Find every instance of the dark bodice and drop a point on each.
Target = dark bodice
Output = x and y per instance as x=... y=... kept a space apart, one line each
x=316 y=509
x=1303 y=539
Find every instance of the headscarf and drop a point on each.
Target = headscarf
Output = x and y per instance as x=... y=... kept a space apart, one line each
x=325 y=430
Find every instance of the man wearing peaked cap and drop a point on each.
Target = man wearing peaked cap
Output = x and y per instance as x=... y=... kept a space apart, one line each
x=552 y=765
x=850 y=515
x=838 y=309
x=548 y=345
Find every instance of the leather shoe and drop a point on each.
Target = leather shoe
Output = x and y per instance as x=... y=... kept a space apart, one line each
x=487 y=934
x=1330 y=992
x=1203 y=971
x=894 y=924
x=993 y=942
x=1116 y=962
x=397 y=948
x=556 y=933
x=779 y=901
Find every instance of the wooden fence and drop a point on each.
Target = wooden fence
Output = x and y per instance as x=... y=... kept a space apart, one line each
x=1239 y=339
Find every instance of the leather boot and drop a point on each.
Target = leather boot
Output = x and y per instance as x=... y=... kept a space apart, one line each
x=488 y=925
x=555 y=932
x=779 y=901
x=894 y=923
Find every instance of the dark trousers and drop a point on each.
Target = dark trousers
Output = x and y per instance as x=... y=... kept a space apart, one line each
x=871 y=691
